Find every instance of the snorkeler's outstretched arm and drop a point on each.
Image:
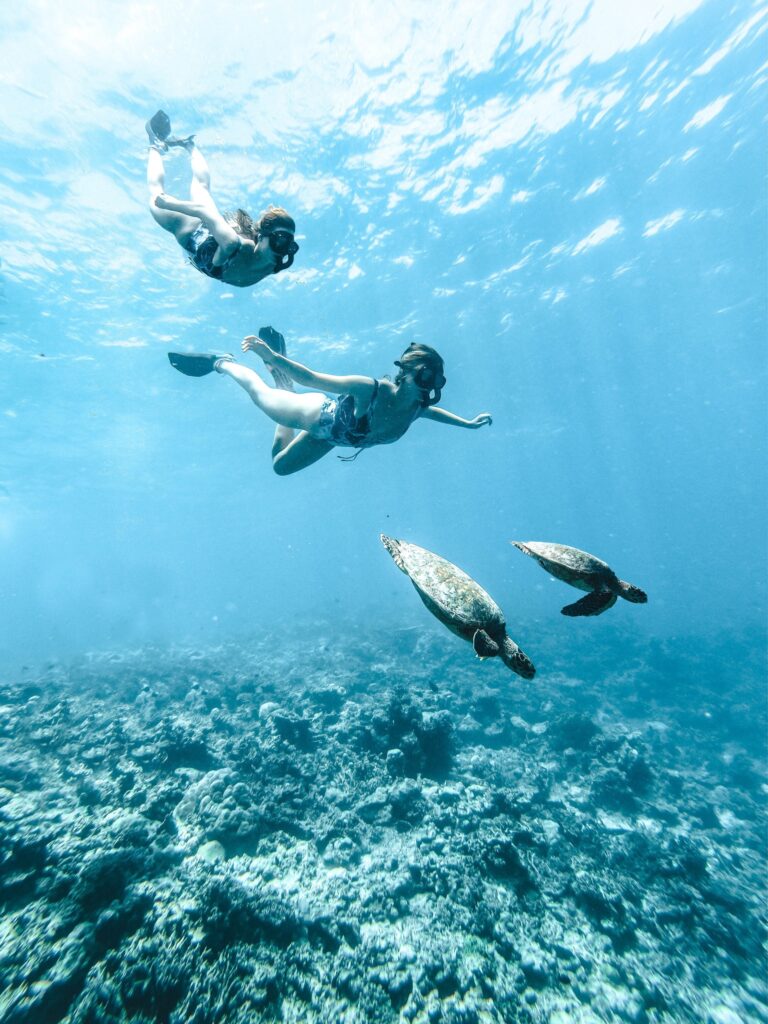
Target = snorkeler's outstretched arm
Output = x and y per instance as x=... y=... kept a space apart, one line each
x=443 y=416
x=359 y=387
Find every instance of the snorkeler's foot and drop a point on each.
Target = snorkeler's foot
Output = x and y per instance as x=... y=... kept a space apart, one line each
x=276 y=342
x=198 y=364
x=158 y=129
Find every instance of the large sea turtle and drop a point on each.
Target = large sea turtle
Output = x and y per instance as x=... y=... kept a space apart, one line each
x=459 y=603
x=584 y=571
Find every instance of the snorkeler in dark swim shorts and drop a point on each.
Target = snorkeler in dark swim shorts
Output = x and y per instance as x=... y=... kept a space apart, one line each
x=227 y=247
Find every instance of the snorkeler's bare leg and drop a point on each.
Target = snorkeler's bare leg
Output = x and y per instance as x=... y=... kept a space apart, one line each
x=300 y=412
x=228 y=239
x=283 y=437
x=179 y=224
x=200 y=186
x=300 y=453
x=207 y=213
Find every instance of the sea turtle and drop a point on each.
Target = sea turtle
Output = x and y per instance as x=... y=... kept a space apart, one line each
x=459 y=603
x=584 y=571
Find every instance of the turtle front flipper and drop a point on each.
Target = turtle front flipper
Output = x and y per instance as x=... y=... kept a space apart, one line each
x=632 y=593
x=484 y=646
x=596 y=603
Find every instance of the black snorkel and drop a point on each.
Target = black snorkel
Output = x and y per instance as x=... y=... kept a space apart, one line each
x=431 y=382
x=283 y=262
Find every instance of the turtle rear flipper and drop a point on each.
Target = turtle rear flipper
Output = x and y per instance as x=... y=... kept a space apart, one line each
x=393 y=547
x=632 y=593
x=484 y=646
x=596 y=603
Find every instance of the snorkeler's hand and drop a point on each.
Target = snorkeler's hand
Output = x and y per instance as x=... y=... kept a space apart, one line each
x=253 y=344
x=163 y=202
x=481 y=420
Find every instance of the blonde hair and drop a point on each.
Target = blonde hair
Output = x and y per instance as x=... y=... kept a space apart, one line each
x=243 y=223
x=276 y=217
x=273 y=217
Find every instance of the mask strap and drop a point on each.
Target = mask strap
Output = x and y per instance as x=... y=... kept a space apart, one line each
x=350 y=458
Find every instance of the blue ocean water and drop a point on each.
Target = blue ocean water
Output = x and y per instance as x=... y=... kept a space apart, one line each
x=567 y=199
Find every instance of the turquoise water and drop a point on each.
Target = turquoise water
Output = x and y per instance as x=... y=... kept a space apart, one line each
x=568 y=201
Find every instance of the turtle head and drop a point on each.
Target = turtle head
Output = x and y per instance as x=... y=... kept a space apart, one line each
x=631 y=593
x=516 y=659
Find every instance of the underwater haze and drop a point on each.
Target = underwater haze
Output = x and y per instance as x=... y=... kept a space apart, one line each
x=567 y=200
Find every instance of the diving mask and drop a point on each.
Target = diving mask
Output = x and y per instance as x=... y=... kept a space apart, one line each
x=426 y=379
x=282 y=244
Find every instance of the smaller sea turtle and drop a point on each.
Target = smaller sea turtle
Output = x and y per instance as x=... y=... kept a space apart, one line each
x=459 y=603
x=584 y=571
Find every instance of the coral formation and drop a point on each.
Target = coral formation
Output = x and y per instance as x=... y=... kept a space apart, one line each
x=229 y=835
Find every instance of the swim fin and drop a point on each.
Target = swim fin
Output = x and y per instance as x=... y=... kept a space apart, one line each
x=158 y=127
x=276 y=342
x=273 y=338
x=196 y=364
x=187 y=143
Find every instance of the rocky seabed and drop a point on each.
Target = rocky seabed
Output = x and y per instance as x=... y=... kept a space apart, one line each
x=304 y=830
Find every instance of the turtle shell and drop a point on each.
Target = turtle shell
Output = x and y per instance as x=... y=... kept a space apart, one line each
x=572 y=565
x=449 y=593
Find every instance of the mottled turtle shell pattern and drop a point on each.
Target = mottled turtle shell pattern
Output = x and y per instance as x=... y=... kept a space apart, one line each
x=450 y=594
x=579 y=568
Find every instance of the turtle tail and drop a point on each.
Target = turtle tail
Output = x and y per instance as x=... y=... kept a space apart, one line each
x=393 y=547
x=631 y=593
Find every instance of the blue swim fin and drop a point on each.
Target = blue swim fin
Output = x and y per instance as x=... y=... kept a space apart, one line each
x=276 y=342
x=273 y=338
x=196 y=364
x=158 y=128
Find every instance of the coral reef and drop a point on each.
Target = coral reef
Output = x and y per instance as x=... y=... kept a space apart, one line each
x=299 y=832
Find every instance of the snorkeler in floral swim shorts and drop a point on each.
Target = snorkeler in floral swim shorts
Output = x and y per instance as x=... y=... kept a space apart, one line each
x=227 y=247
x=367 y=411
